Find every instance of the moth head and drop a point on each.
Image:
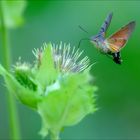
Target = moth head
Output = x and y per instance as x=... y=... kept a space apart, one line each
x=95 y=39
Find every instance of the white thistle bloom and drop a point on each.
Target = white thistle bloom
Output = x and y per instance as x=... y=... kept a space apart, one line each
x=22 y=66
x=66 y=58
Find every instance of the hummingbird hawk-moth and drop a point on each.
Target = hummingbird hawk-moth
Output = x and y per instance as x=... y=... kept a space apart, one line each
x=113 y=44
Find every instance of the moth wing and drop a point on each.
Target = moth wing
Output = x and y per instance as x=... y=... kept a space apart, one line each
x=106 y=24
x=118 y=40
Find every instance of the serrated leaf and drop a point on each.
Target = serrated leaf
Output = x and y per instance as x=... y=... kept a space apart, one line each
x=47 y=73
x=68 y=105
x=25 y=95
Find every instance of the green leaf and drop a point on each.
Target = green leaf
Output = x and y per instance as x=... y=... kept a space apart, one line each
x=27 y=96
x=12 y=12
x=68 y=105
x=47 y=74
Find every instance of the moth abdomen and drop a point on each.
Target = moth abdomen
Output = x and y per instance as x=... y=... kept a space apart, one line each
x=117 y=57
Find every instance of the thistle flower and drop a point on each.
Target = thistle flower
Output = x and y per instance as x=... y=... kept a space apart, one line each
x=66 y=59
x=56 y=86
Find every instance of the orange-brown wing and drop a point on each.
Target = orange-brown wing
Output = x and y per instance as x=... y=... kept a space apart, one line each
x=118 y=40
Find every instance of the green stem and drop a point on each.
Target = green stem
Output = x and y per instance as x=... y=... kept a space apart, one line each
x=13 y=118
x=55 y=136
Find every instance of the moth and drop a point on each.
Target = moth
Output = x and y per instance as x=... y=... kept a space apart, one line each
x=112 y=45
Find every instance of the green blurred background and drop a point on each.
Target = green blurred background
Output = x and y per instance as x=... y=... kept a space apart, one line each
x=118 y=97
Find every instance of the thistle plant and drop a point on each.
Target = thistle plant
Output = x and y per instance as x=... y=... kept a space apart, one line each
x=57 y=86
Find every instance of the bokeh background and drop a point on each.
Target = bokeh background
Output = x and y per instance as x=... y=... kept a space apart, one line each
x=118 y=97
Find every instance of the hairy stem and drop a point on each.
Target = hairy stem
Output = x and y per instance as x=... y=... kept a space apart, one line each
x=13 y=118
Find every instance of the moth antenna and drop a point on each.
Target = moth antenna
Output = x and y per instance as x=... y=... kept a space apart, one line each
x=81 y=41
x=83 y=29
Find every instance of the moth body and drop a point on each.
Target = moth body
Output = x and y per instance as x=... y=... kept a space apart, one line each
x=101 y=44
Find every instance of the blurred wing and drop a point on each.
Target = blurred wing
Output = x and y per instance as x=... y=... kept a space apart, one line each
x=106 y=24
x=118 y=40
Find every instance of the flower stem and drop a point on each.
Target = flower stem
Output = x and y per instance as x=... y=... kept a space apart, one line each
x=55 y=135
x=13 y=118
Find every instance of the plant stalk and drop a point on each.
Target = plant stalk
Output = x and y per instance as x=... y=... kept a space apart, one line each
x=54 y=136
x=12 y=109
